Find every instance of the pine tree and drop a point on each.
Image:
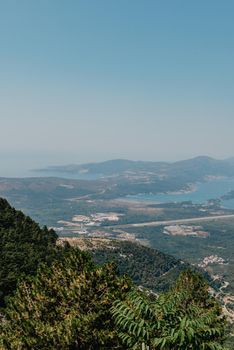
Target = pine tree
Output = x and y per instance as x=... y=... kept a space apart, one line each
x=23 y=245
x=65 y=307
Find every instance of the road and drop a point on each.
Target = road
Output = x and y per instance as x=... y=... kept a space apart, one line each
x=173 y=222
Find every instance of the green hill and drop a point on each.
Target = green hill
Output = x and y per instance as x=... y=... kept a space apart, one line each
x=23 y=245
x=147 y=267
x=190 y=169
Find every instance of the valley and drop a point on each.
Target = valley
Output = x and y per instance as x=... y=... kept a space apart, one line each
x=182 y=209
x=117 y=175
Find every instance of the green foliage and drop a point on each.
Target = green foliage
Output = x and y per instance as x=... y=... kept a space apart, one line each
x=23 y=245
x=230 y=338
x=193 y=249
x=64 y=307
x=185 y=318
x=147 y=267
x=69 y=303
x=75 y=305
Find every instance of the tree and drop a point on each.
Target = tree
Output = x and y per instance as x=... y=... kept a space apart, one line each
x=66 y=306
x=186 y=317
x=23 y=245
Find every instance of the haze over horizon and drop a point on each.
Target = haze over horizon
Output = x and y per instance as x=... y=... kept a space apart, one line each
x=30 y=165
x=91 y=81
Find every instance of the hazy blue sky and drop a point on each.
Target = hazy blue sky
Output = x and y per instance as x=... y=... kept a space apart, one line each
x=88 y=80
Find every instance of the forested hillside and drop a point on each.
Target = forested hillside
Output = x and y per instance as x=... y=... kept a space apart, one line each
x=23 y=245
x=57 y=297
x=147 y=267
x=76 y=305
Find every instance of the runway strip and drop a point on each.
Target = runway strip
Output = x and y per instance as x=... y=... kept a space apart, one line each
x=172 y=222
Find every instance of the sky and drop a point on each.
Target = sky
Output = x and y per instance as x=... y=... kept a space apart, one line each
x=91 y=80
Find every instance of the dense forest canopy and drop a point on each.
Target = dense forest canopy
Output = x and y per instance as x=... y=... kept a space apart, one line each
x=23 y=245
x=76 y=305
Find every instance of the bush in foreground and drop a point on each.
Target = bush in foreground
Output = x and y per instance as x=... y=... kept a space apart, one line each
x=185 y=318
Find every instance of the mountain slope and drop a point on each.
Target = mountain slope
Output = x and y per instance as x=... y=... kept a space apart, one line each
x=107 y=168
x=147 y=267
x=23 y=245
x=193 y=169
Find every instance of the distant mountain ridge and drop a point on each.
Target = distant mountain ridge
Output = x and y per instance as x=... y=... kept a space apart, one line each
x=202 y=165
x=118 y=178
x=107 y=167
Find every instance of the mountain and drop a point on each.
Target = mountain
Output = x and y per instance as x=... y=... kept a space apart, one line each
x=147 y=267
x=23 y=245
x=49 y=199
x=107 y=168
x=191 y=169
x=199 y=169
x=230 y=160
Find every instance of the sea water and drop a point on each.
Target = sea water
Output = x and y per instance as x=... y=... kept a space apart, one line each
x=202 y=192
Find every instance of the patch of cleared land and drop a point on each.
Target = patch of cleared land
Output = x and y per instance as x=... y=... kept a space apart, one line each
x=184 y=230
x=86 y=244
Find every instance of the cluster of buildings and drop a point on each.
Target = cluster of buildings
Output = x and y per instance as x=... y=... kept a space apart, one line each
x=85 y=225
x=95 y=219
x=185 y=230
x=212 y=259
x=95 y=233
